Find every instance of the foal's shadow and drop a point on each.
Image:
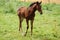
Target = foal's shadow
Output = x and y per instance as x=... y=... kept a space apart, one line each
x=33 y=37
x=39 y=37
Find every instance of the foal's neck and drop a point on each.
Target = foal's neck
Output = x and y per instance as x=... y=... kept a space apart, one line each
x=33 y=8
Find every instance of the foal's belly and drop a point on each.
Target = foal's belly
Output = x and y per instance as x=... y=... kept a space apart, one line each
x=31 y=17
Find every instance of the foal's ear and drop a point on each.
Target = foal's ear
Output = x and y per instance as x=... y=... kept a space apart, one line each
x=40 y=2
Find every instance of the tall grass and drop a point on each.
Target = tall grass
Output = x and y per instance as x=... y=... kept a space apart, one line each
x=11 y=6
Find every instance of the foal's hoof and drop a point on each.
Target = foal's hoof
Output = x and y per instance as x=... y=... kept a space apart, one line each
x=19 y=29
x=23 y=34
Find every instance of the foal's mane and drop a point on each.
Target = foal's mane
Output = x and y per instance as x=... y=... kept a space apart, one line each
x=33 y=3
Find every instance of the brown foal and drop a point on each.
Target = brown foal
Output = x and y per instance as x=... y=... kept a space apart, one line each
x=28 y=14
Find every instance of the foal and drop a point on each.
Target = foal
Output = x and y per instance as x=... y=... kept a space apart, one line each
x=28 y=14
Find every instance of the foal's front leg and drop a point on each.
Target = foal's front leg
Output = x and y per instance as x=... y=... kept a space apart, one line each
x=32 y=26
x=27 y=21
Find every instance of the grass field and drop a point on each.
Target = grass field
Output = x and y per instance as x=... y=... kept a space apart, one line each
x=46 y=26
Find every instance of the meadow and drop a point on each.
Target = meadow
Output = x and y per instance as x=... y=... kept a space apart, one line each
x=46 y=26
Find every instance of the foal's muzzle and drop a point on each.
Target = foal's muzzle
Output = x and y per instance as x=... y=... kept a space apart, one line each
x=41 y=13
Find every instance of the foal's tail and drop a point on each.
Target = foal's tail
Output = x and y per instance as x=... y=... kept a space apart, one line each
x=18 y=11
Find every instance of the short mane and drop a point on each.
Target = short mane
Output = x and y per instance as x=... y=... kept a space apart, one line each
x=32 y=4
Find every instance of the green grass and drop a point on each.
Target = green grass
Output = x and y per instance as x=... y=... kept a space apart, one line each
x=46 y=26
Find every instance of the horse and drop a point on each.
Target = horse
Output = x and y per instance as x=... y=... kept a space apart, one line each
x=28 y=13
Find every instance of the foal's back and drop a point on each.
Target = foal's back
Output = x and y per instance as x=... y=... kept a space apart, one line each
x=23 y=11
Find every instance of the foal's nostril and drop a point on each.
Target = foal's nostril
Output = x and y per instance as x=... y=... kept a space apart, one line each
x=41 y=13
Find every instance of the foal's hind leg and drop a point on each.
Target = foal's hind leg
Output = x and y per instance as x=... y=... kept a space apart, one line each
x=20 y=23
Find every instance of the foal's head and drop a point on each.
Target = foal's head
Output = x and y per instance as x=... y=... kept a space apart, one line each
x=37 y=6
